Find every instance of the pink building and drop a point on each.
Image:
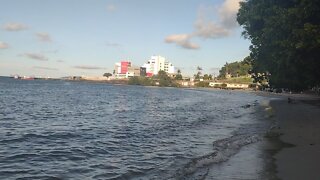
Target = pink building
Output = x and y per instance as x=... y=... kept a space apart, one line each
x=124 y=66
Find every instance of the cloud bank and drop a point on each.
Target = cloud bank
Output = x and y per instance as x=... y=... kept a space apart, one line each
x=43 y=37
x=3 y=45
x=35 y=56
x=86 y=67
x=206 y=28
x=228 y=13
x=182 y=40
x=14 y=27
x=45 y=68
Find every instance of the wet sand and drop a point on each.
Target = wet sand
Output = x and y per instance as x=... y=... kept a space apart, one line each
x=297 y=127
x=289 y=151
x=298 y=123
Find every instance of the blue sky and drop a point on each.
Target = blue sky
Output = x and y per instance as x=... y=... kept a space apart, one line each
x=86 y=37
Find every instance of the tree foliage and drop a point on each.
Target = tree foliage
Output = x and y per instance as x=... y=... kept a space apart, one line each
x=202 y=84
x=164 y=79
x=107 y=74
x=179 y=75
x=285 y=37
x=161 y=79
x=198 y=76
x=207 y=77
x=236 y=69
x=143 y=81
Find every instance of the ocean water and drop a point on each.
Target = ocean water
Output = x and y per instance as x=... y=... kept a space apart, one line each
x=80 y=130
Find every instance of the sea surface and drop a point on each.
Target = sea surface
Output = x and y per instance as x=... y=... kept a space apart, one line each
x=78 y=130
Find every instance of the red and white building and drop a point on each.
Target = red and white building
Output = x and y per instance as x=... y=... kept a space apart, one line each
x=121 y=69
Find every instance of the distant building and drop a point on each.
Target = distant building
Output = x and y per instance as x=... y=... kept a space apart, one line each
x=228 y=75
x=169 y=68
x=125 y=69
x=229 y=85
x=185 y=83
x=121 y=69
x=117 y=69
x=125 y=65
x=143 y=71
x=156 y=64
x=133 y=71
x=237 y=86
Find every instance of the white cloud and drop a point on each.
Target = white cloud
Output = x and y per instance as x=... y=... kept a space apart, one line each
x=45 y=68
x=228 y=13
x=206 y=28
x=88 y=67
x=14 y=27
x=209 y=29
x=182 y=40
x=111 y=8
x=3 y=45
x=36 y=56
x=44 y=37
x=53 y=51
x=113 y=44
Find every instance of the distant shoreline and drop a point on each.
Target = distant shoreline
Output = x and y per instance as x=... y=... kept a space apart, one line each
x=304 y=95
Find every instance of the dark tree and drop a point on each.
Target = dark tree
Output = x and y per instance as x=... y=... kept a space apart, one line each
x=285 y=37
x=178 y=76
x=107 y=74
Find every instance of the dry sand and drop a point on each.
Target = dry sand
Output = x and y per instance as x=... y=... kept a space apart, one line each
x=298 y=124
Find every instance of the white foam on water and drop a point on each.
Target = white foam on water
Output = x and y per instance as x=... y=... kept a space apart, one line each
x=222 y=150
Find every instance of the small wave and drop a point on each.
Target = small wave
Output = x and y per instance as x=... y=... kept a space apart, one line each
x=14 y=172
x=108 y=175
x=131 y=174
x=223 y=150
x=20 y=157
x=40 y=177
x=104 y=166
x=37 y=136
x=34 y=136
x=13 y=140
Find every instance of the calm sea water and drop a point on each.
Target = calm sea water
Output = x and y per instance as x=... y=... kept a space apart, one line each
x=78 y=130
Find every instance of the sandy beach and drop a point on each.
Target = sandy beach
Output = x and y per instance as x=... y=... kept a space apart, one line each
x=297 y=124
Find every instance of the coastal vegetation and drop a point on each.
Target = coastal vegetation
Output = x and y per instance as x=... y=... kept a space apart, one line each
x=242 y=80
x=237 y=72
x=179 y=75
x=140 y=80
x=164 y=80
x=202 y=84
x=236 y=69
x=161 y=79
x=285 y=37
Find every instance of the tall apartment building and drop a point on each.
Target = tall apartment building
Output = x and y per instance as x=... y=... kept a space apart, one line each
x=157 y=63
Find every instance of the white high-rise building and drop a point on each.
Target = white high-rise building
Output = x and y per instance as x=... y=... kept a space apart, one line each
x=157 y=63
x=168 y=67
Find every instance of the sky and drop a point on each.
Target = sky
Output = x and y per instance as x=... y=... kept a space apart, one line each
x=56 y=38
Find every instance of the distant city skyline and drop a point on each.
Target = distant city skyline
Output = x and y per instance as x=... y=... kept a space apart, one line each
x=78 y=37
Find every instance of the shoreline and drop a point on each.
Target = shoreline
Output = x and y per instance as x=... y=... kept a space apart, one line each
x=289 y=149
x=295 y=137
